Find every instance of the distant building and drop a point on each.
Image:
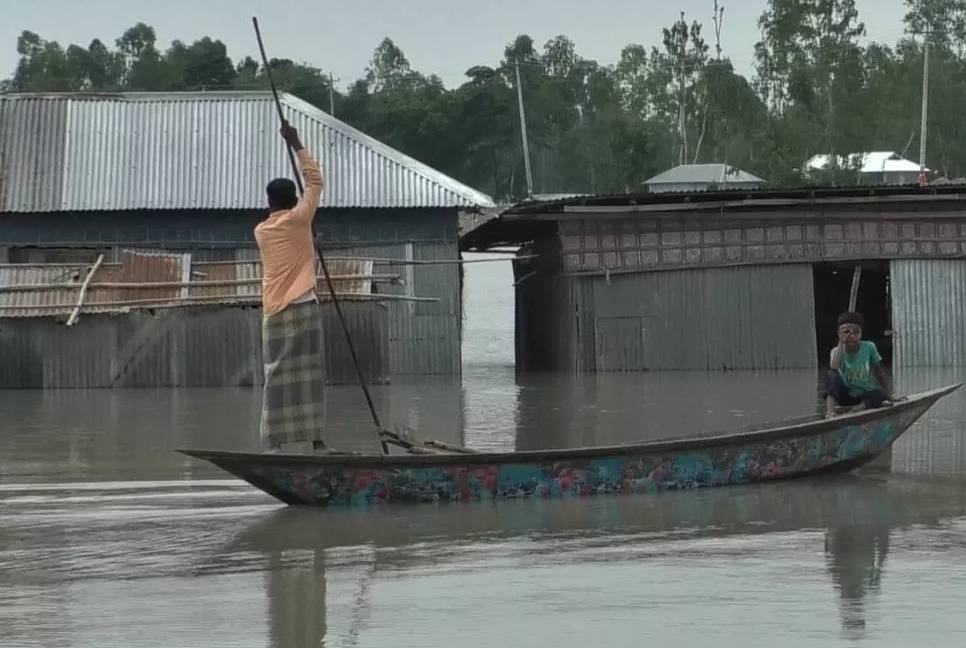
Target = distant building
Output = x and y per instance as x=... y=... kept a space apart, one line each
x=702 y=177
x=873 y=168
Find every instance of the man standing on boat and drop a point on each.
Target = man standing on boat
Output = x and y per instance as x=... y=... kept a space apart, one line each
x=292 y=402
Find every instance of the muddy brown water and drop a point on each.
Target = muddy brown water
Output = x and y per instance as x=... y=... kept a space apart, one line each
x=109 y=538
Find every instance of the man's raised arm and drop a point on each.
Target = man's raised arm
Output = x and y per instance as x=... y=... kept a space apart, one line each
x=311 y=176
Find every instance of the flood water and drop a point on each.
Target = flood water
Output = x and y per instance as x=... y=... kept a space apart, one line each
x=109 y=538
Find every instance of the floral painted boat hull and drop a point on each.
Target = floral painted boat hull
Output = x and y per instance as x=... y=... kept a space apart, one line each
x=782 y=452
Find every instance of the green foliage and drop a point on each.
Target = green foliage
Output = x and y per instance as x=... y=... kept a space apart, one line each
x=817 y=88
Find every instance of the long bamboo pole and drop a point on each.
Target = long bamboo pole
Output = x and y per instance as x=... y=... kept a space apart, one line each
x=217 y=299
x=384 y=261
x=208 y=283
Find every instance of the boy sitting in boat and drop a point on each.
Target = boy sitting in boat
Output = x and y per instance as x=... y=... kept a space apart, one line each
x=856 y=376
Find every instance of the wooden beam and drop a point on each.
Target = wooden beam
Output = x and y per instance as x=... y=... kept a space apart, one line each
x=174 y=302
x=83 y=291
x=854 y=293
x=151 y=285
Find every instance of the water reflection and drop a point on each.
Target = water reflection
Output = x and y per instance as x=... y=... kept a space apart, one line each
x=296 y=599
x=855 y=558
x=856 y=516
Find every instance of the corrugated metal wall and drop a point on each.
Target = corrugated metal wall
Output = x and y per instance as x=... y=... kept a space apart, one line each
x=727 y=318
x=936 y=445
x=716 y=319
x=929 y=312
x=548 y=326
x=175 y=348
x=424 y=337
x=369 y=326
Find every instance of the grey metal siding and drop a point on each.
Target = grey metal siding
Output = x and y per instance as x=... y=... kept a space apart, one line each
x=549 y=324
x=717 y=319
x=175 y=348
x=424 y=337
x=936 y=445
x=369 y=328
x=421 y=338
x=620 y=343
x=929 y=312
x=729 y=318
x=32 y=151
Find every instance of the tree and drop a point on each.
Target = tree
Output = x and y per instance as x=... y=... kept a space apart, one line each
x=488 y=139
x=632 y=77
x=389 y=70
x=45 y=67
x=106 y=68
x=42 y=66
x=145 y=67
x=804 y=42
x=943 y=22
x=673 y=74
x=205 y=64
x=810 y=74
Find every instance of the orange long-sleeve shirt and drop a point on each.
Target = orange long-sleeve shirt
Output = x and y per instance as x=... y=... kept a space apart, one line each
x=285 y=242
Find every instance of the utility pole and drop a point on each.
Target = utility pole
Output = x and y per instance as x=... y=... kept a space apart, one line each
x=925 y=112
x=717 y=19
x=682 y=113
x=523 y=131
x=331 y=96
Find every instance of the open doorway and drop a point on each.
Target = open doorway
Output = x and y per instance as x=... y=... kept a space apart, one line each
x=833 y=282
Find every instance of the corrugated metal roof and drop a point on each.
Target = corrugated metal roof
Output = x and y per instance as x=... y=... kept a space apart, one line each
x=871 y=162
x=720 y=174
x=32 y=137
x=209 y=150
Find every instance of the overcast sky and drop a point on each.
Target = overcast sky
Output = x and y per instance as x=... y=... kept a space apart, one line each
x=443 y=37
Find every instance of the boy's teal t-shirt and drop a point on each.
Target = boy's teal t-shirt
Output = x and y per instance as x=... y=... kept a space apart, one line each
x=856 y=370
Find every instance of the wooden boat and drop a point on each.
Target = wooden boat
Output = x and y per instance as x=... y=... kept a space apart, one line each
x=784 y=451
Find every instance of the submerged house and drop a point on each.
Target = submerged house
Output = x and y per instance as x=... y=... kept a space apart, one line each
x=702 y=177
x=167 y=187
x=872 y=168
x=720 y=281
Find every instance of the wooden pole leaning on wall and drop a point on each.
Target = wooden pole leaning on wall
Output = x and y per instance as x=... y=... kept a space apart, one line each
x=854 y=293
x=83 y=291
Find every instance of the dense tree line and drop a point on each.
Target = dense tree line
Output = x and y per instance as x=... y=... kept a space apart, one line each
x=817 y=88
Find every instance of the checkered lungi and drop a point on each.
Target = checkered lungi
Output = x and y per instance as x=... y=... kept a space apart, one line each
x=292 y=400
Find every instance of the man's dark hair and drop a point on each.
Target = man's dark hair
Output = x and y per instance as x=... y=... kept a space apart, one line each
x=852 y=318
x=281 y=194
